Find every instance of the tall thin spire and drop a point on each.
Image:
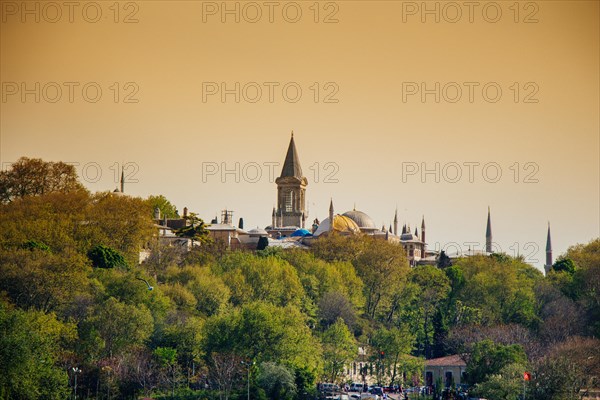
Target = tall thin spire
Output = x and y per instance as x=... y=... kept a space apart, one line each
x=396 y=222
x=423 y=231
x=548 y=251
x=331 y=214
x=291 y=165
x=488 y=233
x=122 y=179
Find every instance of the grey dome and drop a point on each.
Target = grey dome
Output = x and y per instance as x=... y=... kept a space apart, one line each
x=361 y=219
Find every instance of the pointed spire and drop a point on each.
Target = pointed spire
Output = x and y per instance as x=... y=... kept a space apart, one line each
x=331 y=214
x=122 y=179
x=396 y=222
x=291 y=165
x=416 y=232
x=423 y=223
x=396 y=215
x=274 y=214
x=548 y=265
x=488 y=233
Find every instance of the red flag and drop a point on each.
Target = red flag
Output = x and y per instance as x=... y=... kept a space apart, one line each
x=527 y=376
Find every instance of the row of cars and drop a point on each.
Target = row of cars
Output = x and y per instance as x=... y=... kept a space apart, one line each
x=358 y=391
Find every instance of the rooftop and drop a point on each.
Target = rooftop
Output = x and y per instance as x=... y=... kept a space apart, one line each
x=448 y=361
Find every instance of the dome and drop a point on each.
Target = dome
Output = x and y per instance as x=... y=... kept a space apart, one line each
x=409 y=237
x=257 y=232
x=361 y=219
x=341 y=224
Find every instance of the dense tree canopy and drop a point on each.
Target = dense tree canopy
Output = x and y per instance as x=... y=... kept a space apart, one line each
x=293 y=317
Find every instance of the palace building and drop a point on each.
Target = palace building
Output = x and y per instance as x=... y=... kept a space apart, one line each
x=288 y=218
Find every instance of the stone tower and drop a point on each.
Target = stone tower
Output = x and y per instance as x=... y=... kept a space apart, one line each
x=291 y=189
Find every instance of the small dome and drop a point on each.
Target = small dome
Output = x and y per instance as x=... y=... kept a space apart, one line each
x=409 y=237
x=257 y=232
x=361 y=219
x=341 y=224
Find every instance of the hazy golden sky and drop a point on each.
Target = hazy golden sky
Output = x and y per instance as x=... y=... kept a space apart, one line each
x=160 y=66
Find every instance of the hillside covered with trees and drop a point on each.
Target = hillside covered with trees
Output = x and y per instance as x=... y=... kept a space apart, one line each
x=76 y=312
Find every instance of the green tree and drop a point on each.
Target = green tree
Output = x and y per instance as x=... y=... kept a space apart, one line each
x=507 y=384
x=263 y=332
x=195 y=229
x=393 y=344
x=42 y=280
x=502 y=291
x=339 y=348
x=383 y=268
x=30 y=354
x=251 y=278
x=35 y=177
x=104 y=257
x=263 y=243
x=121 y=326
x=488 y=358
x=277 y=381
x=169 y=369
x=586 y=281
x=432 y=289
x=167 y=209
x=564 y=264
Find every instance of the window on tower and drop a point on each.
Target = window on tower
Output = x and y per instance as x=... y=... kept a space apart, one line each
x=289 y=201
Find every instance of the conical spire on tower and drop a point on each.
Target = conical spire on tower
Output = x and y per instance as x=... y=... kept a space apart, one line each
x=291 y=165
x=396 y=222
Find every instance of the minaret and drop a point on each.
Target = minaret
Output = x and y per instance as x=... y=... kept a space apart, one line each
x=303 y=220
x=291 y=189
x=416 y=233
x=274 y=219
x=396 y=222
x=548 y=265
x=122 y=180
x=331 y=215
x=423 y=236
x=488 y=234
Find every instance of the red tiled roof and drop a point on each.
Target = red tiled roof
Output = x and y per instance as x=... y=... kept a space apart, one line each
x=448 y=361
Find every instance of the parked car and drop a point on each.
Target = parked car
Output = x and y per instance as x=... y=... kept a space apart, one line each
x=356 y=387
x=329 y=387
x=389 y=389
x=377 y=390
